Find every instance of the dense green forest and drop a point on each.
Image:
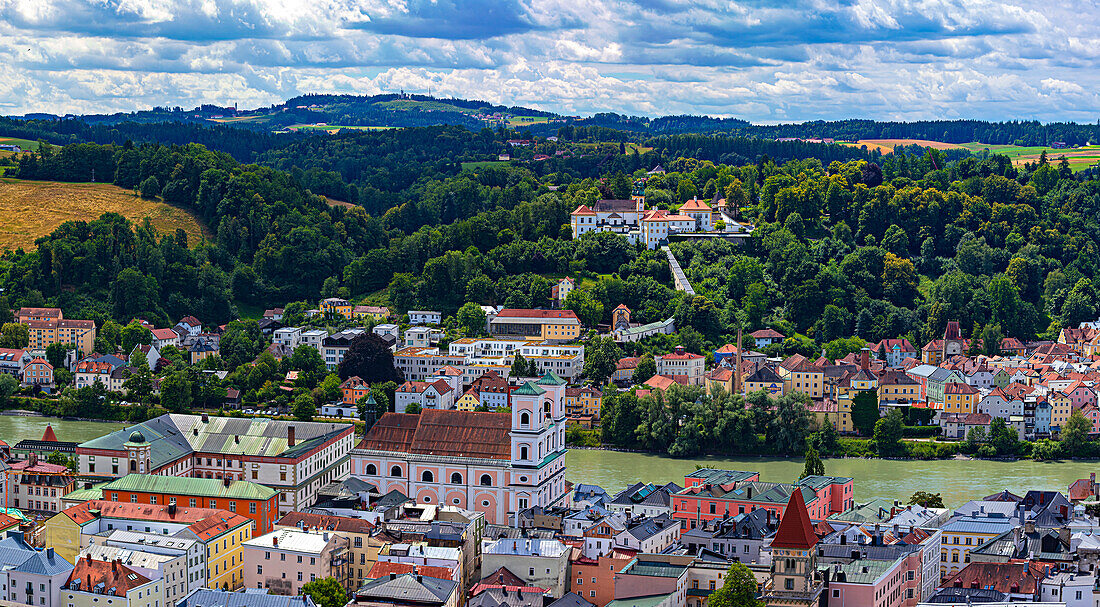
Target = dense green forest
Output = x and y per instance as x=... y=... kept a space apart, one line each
x=874 y=246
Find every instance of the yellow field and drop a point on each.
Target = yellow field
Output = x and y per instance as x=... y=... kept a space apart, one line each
x=35 y=208
x=886 y=146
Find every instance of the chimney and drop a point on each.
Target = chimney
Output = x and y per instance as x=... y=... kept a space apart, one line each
x=897 y=531
x=843 y=539
x=1029 y=526
x=274 y=540
x=863 y=362
x=205 y=418
x=49 y=554
x=290 y=436
x=393 y=576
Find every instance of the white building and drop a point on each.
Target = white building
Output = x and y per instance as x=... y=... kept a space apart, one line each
x=425 y=317
x=172 y=570
x=290 y=337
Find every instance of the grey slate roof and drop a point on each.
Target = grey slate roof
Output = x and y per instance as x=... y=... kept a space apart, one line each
x=570 y=599
x=408 y=587
x=45 y=563
x=204 y=597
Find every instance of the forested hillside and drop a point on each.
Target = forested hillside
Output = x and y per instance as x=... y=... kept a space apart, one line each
x=877 y=246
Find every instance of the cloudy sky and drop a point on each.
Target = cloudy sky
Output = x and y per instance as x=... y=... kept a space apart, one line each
x=766 y=61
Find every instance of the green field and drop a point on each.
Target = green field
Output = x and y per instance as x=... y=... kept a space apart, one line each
x=515 y=121
x=1079 y=159
x=483 y=163
x=26 y=144
x=254 y=118
x=334 y=128
x=411 y=104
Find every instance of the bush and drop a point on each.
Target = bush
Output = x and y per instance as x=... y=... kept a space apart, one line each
x=987 y=452
x=855 y=447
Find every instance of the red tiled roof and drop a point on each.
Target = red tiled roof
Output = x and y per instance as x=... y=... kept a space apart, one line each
x=795 y=529
x=583 y=210
x=762 y=333
x=218 y=524
x=92 y=509
x=959 y=388
x=1015 y=578
x=327 y=522
x=660 y=382
x=443 y=432
x=91 y=573
x=165 y=334
x=383 y=569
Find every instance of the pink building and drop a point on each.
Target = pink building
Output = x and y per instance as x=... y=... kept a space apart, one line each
x=494 y=463
x=284 y=560
x=867 y=582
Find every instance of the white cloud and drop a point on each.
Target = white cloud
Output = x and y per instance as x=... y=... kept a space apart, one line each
x=756 y=59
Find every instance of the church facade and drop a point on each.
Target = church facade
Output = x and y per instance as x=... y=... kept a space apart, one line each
x=494 y=463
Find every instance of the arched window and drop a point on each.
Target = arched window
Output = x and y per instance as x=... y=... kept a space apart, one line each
x=133 y=465
x=524 y=419
x=372 y=470
x=427 y=476
x=523 y=452
x=456 y=479
x=486 y=480
x=395 y=471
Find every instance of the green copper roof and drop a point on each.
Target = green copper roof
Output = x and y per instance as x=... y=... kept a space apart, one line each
x=551 y=379
x=201 y=487
x=529 y=389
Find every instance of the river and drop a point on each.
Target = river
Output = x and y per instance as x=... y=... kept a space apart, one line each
x=957 y=480
x=14 y=428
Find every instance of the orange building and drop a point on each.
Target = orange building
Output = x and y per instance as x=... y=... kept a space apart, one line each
x=960 y=398
x=353 y=389
x=256 y=502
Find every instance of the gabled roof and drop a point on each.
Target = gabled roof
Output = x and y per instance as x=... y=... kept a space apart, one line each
x=204 y=487
x=109 y=577
x=795 y=529
x=408 y=588
x=205 y=597
x=444 y=432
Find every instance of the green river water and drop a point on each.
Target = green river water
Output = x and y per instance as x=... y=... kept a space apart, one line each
x=957 y=480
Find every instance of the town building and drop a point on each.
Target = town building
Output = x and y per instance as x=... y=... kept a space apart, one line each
x=37 y=372
x=794 y=581
x=425 y=317
x=494 y=463
x=254 y=501
x=556 y=325
x=362 y=547
x=37 y=486
x=286 y=559
x=46 y=326
x=91 y=579
x=742 y=492
x=335 y=346
x=407 y=590
x=293 y=458
x=192 y=552
x=205 y=597
x=170 y=570
x=683 y=364
x=538 y=562
x=31 y=576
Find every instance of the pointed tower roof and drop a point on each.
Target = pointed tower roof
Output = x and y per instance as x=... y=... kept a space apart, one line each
x=795 y=530
x=48 y=435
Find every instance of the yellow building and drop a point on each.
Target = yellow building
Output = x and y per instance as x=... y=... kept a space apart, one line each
x=764 y=379
x=558 y=325
x=468 y=401
x=720 y=380
x=377 y=313
x=46 y=326
x=965 y=532
x=897 y=388
x=960 y=398
x=1061 y=406
x=801 y=375
x=222 y=536
x=337 y=307
x=583 y=401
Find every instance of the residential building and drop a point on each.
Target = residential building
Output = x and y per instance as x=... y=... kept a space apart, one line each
x=435 y=395
x=538 y=562
x=37 y=486
x=91 y=579
x=294 y=458
x=29 y=576
x=335 y=306
x=896 y=350
x=335 y=346
x=556 y=325
x=822 y=496
x=653 y=580
x=253 y=501
x=12 y=361
x=494 y=463
x=959 y=398
x=47 y=326
x=682 y=363
x=291 y=337
x=375 y=313
x=560 y=290
x=407 y=590
x=800 y=374
x=286 y=559
x=193 y=552
x=766 y=379
x=644 y=500
x=362 y=547
x=425 y=317
x=766 y=337
x=205 y=597
x=37 y=372
x=171 y=571
x=952 y=344
x=581 y=401
x=972 y=525
x=165 y=337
